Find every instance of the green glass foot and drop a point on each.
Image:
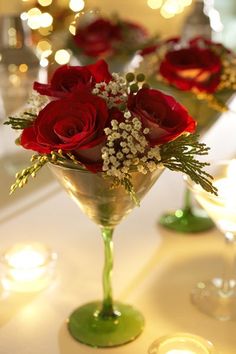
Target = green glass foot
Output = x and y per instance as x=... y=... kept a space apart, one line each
x=187 y=221
x=87 y=326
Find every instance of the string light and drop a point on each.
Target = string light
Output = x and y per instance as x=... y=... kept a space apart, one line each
x=169 y=8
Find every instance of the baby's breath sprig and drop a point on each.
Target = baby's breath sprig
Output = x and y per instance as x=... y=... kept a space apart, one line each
x=179 y=155
x=127 y=150
x=31 y=171
x=116 y=92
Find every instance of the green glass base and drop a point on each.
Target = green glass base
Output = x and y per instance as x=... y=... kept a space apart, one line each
x=88 y=327
x=187 y=221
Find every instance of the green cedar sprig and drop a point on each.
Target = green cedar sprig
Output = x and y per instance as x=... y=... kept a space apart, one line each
x=126 y=182
x=179 y=155
x=21 y=123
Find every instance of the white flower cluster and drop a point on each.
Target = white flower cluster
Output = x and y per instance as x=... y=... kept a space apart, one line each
x=35 y=104
x=114 y=92
x=127 y=149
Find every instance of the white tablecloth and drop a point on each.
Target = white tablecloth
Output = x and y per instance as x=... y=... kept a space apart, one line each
x=162 y=266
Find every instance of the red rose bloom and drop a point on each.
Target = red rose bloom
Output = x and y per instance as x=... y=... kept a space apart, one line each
x=162 y=114
x=192 y=68
x=74 y=124
x=97 y=38
x=67 y=78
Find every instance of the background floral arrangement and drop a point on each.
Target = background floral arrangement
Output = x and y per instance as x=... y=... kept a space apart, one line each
x=204 y=68
x=86 y=117
x=97 y=36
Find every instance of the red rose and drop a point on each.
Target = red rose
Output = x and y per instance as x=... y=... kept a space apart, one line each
x=162 y=114
x=192 y=68
x=97 y=38
x=66 y=78
x=74 y=124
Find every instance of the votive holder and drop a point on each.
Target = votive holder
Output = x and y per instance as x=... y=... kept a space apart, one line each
x=28 y=267
x=181 y=343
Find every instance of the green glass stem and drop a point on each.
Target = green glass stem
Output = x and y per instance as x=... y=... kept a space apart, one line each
x=187 y=201
x=107 y=304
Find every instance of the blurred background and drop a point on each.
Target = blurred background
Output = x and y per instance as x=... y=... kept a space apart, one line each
x=49 y=21
x=35 y=34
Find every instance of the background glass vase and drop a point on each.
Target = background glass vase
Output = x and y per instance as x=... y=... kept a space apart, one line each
x=19 y=68
x=104 y=323
x=189 y=218
x=119 y=63
x=19 y=65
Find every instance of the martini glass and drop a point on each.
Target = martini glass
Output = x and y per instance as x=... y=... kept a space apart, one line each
x=105 y=323
x=217 y=297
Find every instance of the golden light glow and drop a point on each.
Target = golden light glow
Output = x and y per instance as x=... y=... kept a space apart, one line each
x=44 y=45
x=45 y=31
x=76 y=5
x=34 y=12
x=72 y=28
x=44 y=2
x=44 y=48
x=44 y=62
x=27 y=266
x=14 y=80
x=23 y=68
x=34 y=18
x=46 y=20
x=154 y=4
x=24 y=16
x=12 y=68
x=169 y=8
x=62 y=56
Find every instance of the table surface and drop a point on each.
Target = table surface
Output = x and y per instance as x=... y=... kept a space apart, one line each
x=163 y=266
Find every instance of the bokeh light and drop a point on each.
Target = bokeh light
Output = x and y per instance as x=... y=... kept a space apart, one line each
x=76 y=5
x=44 y=2
x=169 y=8
x=155 y=4
x=62 y=56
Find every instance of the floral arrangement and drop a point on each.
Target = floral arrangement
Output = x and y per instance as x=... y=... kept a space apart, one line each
x=103 y=37
x=87 y=118
x=202 y=67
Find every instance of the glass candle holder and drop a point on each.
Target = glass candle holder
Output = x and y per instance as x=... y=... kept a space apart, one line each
x=28 y=267
x=181 y=343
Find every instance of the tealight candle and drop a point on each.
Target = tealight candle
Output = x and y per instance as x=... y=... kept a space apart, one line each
x=28 y=267
x=182 y=343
